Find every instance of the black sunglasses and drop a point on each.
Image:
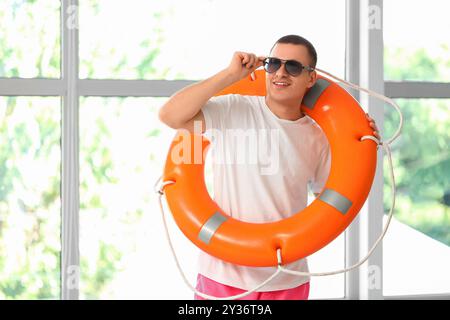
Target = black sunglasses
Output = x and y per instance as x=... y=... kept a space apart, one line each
x=293 y=67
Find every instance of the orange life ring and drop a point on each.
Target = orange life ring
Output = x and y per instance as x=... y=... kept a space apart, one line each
x=353 y=165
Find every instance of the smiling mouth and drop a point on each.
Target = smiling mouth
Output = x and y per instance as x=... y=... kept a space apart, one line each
x=280 y=84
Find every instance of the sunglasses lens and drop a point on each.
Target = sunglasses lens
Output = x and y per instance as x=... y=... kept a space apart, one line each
x=272 y=65
x=294 y=68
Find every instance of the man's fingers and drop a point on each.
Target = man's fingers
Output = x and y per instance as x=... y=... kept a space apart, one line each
x=374 y=126
x=260 y=61
x=257 y=62
x=249 y=62
x=252 y=61
x=245 y=58
x=371 y=122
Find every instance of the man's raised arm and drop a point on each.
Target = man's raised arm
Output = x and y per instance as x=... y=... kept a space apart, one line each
x=184 y=107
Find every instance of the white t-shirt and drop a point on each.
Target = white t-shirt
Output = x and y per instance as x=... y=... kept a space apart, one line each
x=262 y=166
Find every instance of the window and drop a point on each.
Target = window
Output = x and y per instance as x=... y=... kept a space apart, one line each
x=124 y=253
x=30 y=39
x=417 y=249
x=30 y=197
x=416 y=254
x=141 y=39
x=416 y=41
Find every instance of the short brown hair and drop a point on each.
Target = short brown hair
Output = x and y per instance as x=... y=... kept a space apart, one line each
x=295 y=39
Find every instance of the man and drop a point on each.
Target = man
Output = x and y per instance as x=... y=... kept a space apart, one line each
x=247 y=190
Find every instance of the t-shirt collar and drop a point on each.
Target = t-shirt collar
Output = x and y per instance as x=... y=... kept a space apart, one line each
x=303 y=120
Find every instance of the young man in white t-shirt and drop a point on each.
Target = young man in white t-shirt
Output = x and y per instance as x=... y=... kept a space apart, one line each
x=265 y=153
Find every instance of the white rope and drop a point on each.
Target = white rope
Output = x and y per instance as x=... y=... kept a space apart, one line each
x=280 y=268
x=201 y=294
x=378 y=142
x=376 y=95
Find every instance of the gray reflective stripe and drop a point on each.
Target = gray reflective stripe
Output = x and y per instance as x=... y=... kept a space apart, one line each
x=336 y=200
x=310 y=99
x=211 y=226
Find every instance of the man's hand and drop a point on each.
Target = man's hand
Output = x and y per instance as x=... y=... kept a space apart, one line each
x=374 y=126
x=243 y=63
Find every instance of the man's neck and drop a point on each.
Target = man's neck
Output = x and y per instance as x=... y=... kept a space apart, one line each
x=290 y=111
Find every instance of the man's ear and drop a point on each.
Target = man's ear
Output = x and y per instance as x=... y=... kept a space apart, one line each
x=312 y=79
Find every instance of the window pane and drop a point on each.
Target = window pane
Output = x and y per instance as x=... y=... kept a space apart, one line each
x=124 y=252
x=30 y=38
x=329 y=258
x=417 y=247
x=177 y=40
x=30 y=161
x=417 y=43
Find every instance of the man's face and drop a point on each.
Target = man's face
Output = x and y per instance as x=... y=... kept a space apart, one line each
x=291 y=89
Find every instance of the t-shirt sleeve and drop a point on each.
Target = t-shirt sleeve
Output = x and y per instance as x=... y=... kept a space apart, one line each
x=216 y=112
x=322 y=170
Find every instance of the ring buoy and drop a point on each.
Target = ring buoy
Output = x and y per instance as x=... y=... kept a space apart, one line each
x=353 y=165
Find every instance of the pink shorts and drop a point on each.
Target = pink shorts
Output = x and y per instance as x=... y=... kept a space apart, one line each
x=213 y=288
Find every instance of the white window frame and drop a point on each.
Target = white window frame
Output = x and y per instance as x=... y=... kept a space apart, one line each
x=364 y=51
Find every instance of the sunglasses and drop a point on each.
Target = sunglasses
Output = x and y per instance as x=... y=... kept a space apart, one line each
x=293 y=67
